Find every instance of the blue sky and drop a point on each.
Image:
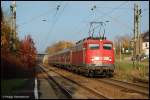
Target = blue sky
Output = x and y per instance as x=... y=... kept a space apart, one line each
x=71 y=21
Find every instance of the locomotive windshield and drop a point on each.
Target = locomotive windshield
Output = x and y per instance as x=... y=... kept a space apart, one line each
x=94 y=46
x=107 y=46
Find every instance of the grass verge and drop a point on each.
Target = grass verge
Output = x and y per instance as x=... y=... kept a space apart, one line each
x=8 y=86
x=126 y=71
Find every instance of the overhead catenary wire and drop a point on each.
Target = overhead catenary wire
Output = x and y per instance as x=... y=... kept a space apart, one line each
x=93 y=14
x=34 y=18
x=55 y=19
x=116 y=8
x=119 y=22
x=52 y=25
x=113 y=7
x=41 y=15
x=95 y=7
x=144 y=10
x=104 y=15
x=86 y=24
x=124 y=25
x=56 y=16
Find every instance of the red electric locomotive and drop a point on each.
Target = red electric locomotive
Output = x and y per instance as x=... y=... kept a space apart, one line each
x=90 y=56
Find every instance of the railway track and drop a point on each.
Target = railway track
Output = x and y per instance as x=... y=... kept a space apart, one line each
x=142 y=85
x=126 y=86
x=68 y=92
x=54 y=82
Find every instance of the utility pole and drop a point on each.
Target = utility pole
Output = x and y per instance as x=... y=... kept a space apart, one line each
x=13 y=33
x=120 y=50
x=137 y=13
x=139 y=29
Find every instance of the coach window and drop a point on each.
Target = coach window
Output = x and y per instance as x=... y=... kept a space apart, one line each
x=93 y=46
x=107 y=46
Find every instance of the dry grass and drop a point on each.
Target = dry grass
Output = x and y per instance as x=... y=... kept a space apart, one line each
x=126 y=71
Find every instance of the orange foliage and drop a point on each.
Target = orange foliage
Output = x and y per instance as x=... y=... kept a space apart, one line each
x=20 y=62
x=28 y=51
x=59 y=46
x=5 y=35
x=11 y=66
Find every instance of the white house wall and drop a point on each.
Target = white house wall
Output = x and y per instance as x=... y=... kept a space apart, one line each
x=145 y=48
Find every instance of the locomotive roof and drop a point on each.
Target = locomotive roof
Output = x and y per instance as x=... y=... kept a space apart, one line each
x=92 y=38
x=88 y=39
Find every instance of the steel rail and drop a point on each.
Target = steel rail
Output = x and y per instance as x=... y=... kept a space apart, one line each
x=65 y=91
x=126 y=86
x=93 y=91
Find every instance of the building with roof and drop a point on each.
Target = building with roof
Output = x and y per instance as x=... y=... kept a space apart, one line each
x=145 y=43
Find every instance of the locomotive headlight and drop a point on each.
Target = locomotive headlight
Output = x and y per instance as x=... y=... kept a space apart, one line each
x=96 y=58
x=110 y=59
x=92 y=59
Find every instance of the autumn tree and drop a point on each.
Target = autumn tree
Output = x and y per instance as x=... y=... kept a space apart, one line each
x=18 y=62
x=122 y=43
x=28 y=51
x=59 y=46
x=5 y=35
x=125 y=41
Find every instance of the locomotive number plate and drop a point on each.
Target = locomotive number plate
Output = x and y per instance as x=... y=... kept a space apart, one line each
x=106 y=58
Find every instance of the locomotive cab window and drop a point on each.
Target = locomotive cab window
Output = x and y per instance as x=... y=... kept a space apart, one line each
x=93 y=46
x=107 y=46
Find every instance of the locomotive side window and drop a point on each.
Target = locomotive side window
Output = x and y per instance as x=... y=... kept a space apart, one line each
x=107 y=46
x=94 y=46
